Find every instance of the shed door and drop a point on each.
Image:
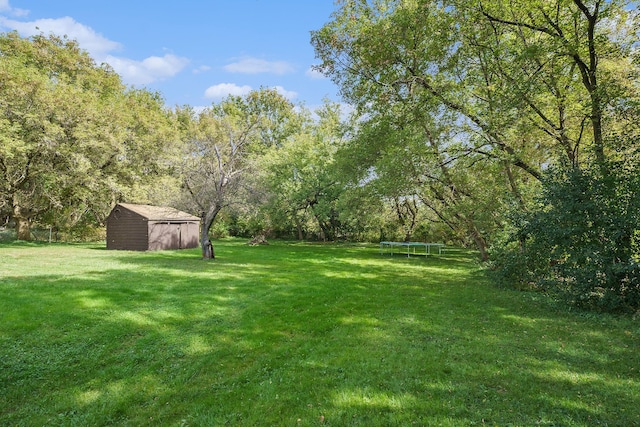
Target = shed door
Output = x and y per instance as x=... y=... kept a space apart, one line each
x=173 y=235
x=189 y=235
x=164 y=235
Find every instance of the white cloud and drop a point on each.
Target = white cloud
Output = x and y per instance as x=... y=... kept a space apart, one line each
x=87 y=38
x=225 y=89
x=133 y=72
x=147 y=71
x=290 y=95
x=250 y=65
x=314 y=74
x=201 y=69
x=5 y=7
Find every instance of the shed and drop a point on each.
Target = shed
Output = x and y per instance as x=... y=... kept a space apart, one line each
x=148 y=228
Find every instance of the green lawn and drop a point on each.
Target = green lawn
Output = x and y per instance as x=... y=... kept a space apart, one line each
x=296 y=334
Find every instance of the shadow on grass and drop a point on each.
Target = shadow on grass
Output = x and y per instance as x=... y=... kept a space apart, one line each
x=285 y=334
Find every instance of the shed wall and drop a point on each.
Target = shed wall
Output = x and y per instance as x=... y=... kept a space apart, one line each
x=126 y=230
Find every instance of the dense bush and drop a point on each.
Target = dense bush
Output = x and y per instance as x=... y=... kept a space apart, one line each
x=581 y=243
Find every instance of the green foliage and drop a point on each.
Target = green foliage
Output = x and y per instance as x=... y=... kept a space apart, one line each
x=224 y=145
x=582 y=242
x=219 y=230
x=516 y=262
x=361 y=214
x=74 y=138
x=246 y=223
x=302 y=181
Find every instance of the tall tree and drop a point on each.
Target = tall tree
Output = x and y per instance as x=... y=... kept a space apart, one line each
x=519 y=85
x=428 y=67
x=415 y=90
x=74 y=139
x=223 y=145
x=301 y=177
x=568 y=46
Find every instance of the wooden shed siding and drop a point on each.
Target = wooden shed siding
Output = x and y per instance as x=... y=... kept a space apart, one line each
x=161 y=236
x=127 y=230
x=191 y=237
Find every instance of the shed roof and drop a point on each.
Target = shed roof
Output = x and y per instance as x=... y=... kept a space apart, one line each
x=159 y=213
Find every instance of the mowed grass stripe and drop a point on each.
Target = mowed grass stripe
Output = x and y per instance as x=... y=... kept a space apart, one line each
x=297 y=334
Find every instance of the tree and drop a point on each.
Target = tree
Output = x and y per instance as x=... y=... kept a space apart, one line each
x=407 y=164
x=302 y=180
x=74 y=139
x=424 y=90
x=428 y=67
x=584 y=41
x=585 y=225
x=518 y=86
x=223 y=146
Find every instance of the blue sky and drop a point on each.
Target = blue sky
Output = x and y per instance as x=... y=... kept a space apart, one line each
x=194 y=52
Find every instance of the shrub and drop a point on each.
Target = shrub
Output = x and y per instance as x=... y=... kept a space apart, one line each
x=581 y=242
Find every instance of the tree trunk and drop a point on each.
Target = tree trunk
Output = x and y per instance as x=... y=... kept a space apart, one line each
x=207 y=247
x=479 y=240
x=513 y=185
x=23 y=229
x=298 y=227
x=23 y=223
x=481 y=244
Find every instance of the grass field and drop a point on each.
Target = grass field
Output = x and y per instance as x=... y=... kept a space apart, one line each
x=297 y=334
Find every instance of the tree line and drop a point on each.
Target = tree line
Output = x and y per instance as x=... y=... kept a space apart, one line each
x=515 y=123
x=508 y=126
